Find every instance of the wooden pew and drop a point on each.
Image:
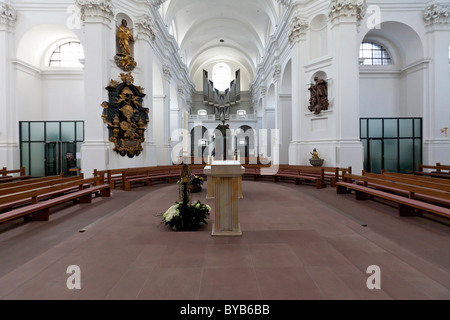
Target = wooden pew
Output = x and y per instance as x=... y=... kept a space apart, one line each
x=27 y=181
x=415 y=182
x=438 y=171
x=37 y=185
x=417 y=177
x=301 y=174
x=9 y=175
x=150 y=174
x=39 y=210
x=9 y=205
x=407 y=206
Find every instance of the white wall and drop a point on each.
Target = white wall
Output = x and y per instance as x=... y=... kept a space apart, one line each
x=380 y=95
x=63 y=96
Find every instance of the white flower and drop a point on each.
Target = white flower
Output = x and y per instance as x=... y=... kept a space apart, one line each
x=208 y=207
x=171 y=212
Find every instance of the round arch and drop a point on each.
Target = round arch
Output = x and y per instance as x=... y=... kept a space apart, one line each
x=37 y=44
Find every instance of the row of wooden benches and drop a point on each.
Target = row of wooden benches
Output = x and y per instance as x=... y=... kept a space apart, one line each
x=126 y=177
x=13 y=175
x=437 y=171
x=412 y=194
x=33 y=198
x=320 y=176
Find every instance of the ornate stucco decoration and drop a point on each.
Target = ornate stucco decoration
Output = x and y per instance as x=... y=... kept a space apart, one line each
x=276 y=72
x=145 y=28
x=263 y=92
x=348 y=8
x=297 y=31
x=8 y=16
x=286 y=3
x=437 y=13
x=157 y=3
x=166 y=72
x=125 y=117
x=96 y=8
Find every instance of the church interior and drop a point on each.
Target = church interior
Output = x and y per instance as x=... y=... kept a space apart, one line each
x=224 y=150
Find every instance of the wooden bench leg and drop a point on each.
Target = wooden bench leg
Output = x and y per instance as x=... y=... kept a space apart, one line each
x=319 y=184
x=341 y=190
x=361 y=195
x=148 y=182
x=406 y=211
x=333 y=182
x=85 y=199
x=41 y=215
x=105 y=192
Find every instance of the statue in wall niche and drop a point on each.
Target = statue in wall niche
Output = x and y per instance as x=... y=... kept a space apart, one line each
x=124 y=58
x=318 y=100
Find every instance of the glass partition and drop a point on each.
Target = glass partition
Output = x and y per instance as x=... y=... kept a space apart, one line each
x=391 y=144
x=50 y=147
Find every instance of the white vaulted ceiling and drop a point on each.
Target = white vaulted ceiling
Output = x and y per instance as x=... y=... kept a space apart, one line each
x=244 y=26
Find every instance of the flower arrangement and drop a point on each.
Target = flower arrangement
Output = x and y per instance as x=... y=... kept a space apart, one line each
x=184 y=216
x=196 y=180
x=196 y=183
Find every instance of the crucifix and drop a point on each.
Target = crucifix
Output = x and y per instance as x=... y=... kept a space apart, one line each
x=222 y=114
x=223 y=129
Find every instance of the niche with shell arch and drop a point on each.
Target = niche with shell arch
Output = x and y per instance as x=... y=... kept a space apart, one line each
x=124 y=30
x=318 y=36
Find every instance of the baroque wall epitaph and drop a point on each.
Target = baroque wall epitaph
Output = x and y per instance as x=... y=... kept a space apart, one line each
x=127 y=120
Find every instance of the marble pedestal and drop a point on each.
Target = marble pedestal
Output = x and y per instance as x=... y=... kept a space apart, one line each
x=224 y=185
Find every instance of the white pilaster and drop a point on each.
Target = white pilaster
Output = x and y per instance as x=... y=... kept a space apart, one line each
x=9 y=147
x=145 y=37
x=97 y=17
x=162 y=120
x=437 y=108
x=345 y=18
x=297 y=38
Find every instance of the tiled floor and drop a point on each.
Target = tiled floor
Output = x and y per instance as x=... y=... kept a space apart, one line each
x=298 y=243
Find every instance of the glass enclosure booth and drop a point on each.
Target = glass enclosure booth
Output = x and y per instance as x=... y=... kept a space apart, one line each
x=51 y=147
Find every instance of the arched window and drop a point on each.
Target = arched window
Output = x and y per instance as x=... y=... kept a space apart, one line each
x=371 y=53
x=67 y=55
x=221 y=76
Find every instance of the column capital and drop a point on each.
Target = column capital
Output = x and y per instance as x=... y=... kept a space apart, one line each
x=276 y=72
x=145 y=28
x=437 y=13
x=157 y=3
x=285 y=3
x=298 y=28
x=348 y=10
x=263 y=91
x=166 y=72
x=91 y=10
x=8 y=17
